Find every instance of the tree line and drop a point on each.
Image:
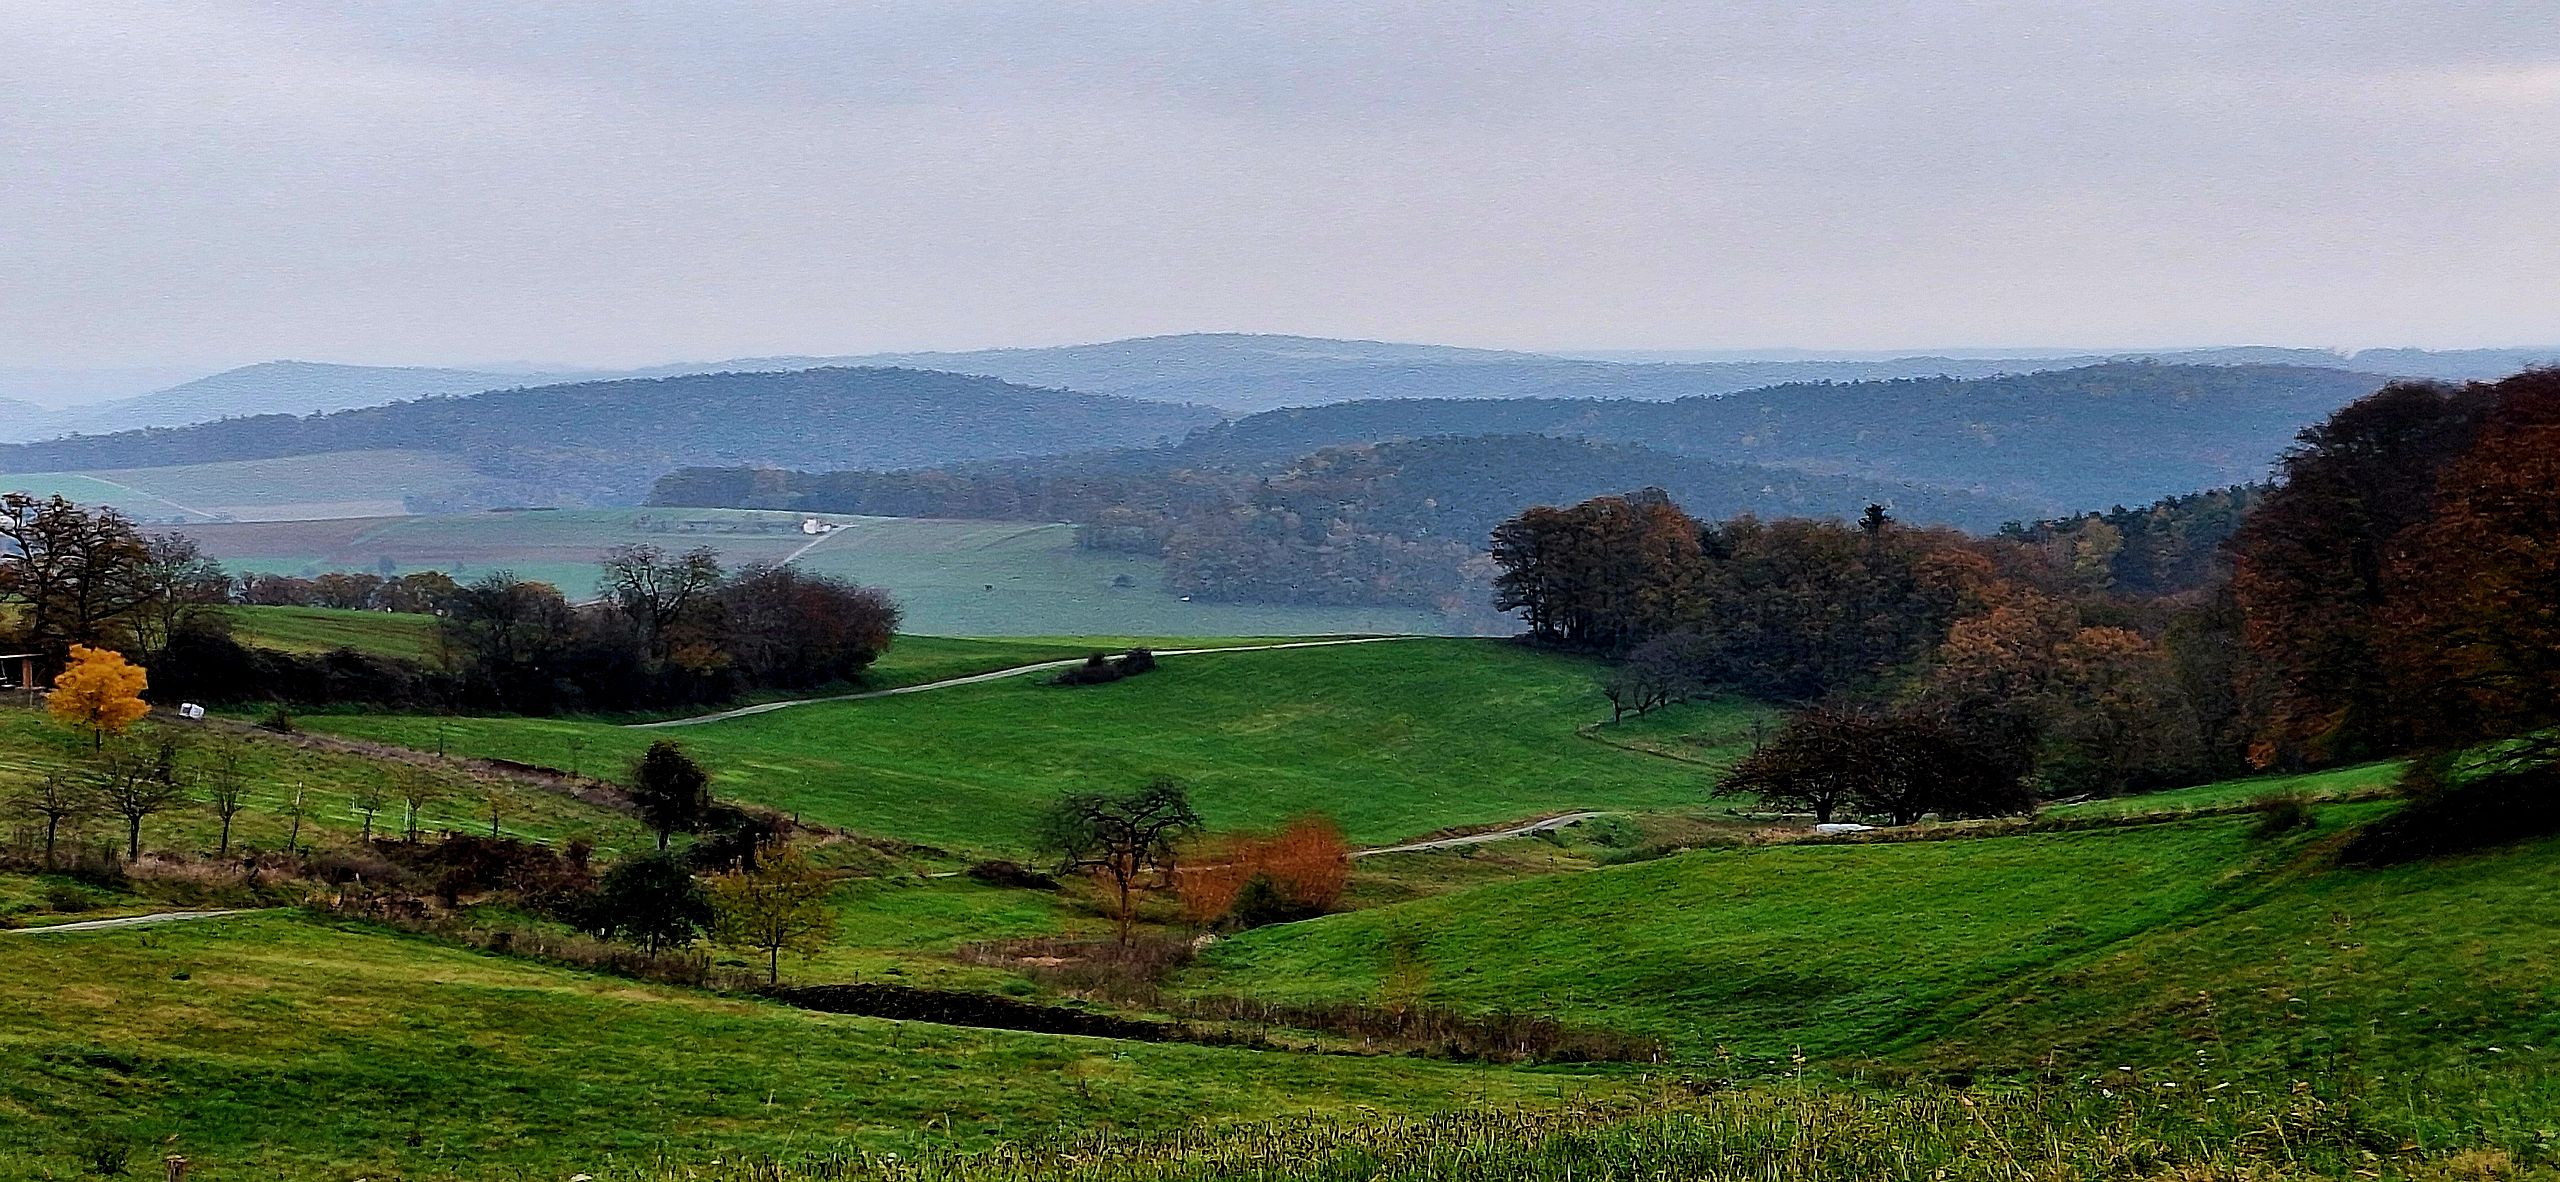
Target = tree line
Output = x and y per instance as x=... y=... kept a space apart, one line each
x=663 y=628
x=2392 y=590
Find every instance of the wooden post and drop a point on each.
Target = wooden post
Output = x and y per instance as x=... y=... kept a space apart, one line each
x=177 y=1168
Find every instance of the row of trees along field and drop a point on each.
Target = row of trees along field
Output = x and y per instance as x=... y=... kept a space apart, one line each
x=2393 y=590
x=664 y=629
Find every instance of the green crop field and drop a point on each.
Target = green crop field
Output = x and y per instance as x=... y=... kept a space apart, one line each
x=273 y=1045
x=1392 y=739
x=92 y=490
x=2149 y=942
x=309 y=630
x=330 y=485
x=952 y=578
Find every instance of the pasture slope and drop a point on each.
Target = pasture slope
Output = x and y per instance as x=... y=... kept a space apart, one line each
x=334 y=784
x=952 y=578
x=276 y=1046
x=2154 y=946
x=1392 y=740
x=308 y=630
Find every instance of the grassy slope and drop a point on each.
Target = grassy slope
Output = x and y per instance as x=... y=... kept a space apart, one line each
x=1392 y=739
x=953 y=577
x=32 y=745
x=309 y=630
x=276 y=1045
x=2149 y=942
x=2335 y=782
x=1836 y=949
x=2420 y=968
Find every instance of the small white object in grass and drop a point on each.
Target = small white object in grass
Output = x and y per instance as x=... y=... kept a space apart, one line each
x=1841 y=827
x=191 y=711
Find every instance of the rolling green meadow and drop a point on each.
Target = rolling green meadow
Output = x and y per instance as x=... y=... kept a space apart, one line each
x=1393 y=740
x=2142 y=986
x=268 y=1046
x=2153 y=946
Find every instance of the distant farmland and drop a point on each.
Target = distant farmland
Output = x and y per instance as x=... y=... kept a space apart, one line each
x=336 y=484
x=954 y=578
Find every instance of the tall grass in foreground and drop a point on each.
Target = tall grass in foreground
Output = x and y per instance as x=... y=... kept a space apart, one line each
x=2500 y=1129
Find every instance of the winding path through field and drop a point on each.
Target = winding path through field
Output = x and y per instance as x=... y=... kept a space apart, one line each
x=993 y=675
x=1467 y=839
x=130 y=921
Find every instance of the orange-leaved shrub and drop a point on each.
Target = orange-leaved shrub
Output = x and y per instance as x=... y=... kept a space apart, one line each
x=1304 y=867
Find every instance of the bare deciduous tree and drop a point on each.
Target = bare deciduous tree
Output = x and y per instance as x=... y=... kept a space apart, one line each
x=369 y=802
x=54 y=801
x=226 y=787
x=1128 y=840
x=137 y=786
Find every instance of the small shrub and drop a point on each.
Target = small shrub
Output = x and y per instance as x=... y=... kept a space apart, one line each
x=1262 y=902
x=278 y=721
x=1102 y=669
x=68 y=897
x=1613 y=832
x=997 y=872
x=2281 y=814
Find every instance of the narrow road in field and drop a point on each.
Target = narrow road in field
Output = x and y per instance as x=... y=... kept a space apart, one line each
x=1450 y=843
x=129 y=921
x=991 y=675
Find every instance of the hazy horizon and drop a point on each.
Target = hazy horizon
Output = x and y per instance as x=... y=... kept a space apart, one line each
x=213 y=182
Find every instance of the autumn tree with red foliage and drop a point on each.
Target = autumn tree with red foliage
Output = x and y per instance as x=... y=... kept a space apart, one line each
x=2471 y=614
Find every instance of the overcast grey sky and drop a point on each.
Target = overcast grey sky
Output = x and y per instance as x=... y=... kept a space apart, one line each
x=193 y=182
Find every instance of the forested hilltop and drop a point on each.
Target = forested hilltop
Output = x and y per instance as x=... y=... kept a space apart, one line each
x=2393 y=591
x=2062 y=440
x=1400 y=523
x=1391 y=502
x=603 y=442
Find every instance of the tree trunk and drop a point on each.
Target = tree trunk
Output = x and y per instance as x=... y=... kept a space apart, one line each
x=773 y=965
x=224 y=849
x=52 y=824
x=133 y=838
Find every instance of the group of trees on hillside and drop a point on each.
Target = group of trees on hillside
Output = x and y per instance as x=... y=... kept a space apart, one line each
x=2393 y=590
x=2399 y=589
x=664 y=629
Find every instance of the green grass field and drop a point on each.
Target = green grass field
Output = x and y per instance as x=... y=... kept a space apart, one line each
x=1392 y=739
x=277 y=1046
x=2321 y=785
x=32 y=745
x=330 y=485
x=308 y=630
x=952 y=578
x=2149 y=942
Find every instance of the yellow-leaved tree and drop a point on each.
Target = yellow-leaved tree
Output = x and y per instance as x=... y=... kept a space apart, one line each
x=100 y=692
